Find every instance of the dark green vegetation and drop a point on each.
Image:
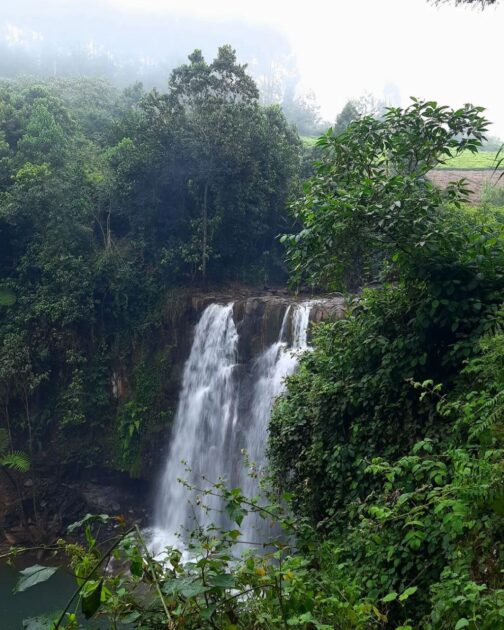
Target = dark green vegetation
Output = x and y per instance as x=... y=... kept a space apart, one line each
x=390 y=436
x=388 y=444
x=386 y=449
x=109 y=202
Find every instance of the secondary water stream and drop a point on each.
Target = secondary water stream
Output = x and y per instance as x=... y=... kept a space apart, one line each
x=224 y=407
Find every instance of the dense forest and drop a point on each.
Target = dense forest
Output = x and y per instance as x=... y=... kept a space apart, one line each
x=385 y=494
x=111 y=202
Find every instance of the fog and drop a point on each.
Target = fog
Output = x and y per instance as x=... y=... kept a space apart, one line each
x=333 y=51
x=94 y=38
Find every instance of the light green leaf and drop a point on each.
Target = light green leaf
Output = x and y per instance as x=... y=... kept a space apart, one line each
x=208 y=612
x=33 y=575
x=91 y=600
x=409 y=591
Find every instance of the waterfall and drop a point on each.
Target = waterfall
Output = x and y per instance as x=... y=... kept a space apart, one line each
x=270 y=371
x=204 y=420
x=223 y=408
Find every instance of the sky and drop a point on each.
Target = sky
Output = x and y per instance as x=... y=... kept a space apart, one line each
x=345 y=48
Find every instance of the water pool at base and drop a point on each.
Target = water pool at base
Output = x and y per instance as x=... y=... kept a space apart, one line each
x=49 y=596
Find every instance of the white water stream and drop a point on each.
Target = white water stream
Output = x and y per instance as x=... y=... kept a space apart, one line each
x=216 y=418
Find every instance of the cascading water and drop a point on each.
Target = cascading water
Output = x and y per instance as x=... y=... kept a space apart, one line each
x=270 y=371
x=216 y=418
x=204 y=420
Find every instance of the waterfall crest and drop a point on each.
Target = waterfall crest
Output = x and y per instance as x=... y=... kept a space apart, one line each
x=224 y=407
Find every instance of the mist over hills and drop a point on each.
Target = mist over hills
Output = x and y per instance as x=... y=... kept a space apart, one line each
x=61 y=39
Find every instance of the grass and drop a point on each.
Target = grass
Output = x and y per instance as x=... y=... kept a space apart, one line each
x=468 y=160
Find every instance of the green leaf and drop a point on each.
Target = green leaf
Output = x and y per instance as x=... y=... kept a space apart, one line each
x=33 y=575
x=390 y=597
x=207 y=613
x=16 y=461
x=187 y=587
x=222 y=581
x=100 y=518
x=136 y=567
x=409 y=591
x=235 y=512
x=461 y=623
x=91 y=600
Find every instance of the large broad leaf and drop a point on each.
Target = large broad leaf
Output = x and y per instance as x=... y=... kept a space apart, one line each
x=91 y=600
x=224 y=580
x=89 y=518
x=235 y=511
x=187 y=587
x=33 y=575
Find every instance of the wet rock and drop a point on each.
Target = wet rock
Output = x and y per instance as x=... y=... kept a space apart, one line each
x=101 y=499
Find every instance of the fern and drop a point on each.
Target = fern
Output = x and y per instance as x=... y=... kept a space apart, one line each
x=16 y=460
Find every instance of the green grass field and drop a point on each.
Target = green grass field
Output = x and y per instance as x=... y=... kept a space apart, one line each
x=468 y=160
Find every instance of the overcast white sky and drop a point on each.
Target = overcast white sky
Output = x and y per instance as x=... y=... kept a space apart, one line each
x=347 y=47
x=344 y=48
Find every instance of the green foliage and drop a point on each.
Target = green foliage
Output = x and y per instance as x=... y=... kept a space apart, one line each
x=347 y=115
x=32 y=576
x=220 y=581
x=15 y=460
x=369 y=198
x=218 y=207
x=107 y=202
x=389 y=438
x=493 y=195
x=7 y=297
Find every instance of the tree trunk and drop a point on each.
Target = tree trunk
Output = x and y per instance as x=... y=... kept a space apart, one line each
x=108 y=242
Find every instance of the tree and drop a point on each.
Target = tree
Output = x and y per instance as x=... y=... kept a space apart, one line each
x=203 y=173
x=369 y=198
x=304 y=113
x=347 y=115
x=406 y=390
x=212 y=99
x=354 y=109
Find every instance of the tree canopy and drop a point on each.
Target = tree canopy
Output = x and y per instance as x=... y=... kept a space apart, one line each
x=110 y=200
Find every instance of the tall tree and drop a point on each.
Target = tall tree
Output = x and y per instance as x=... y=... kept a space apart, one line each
x=211 y=98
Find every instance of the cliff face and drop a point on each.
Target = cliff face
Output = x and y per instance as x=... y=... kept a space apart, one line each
x=157 y=363
x=144 y=384
x=258 y=319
